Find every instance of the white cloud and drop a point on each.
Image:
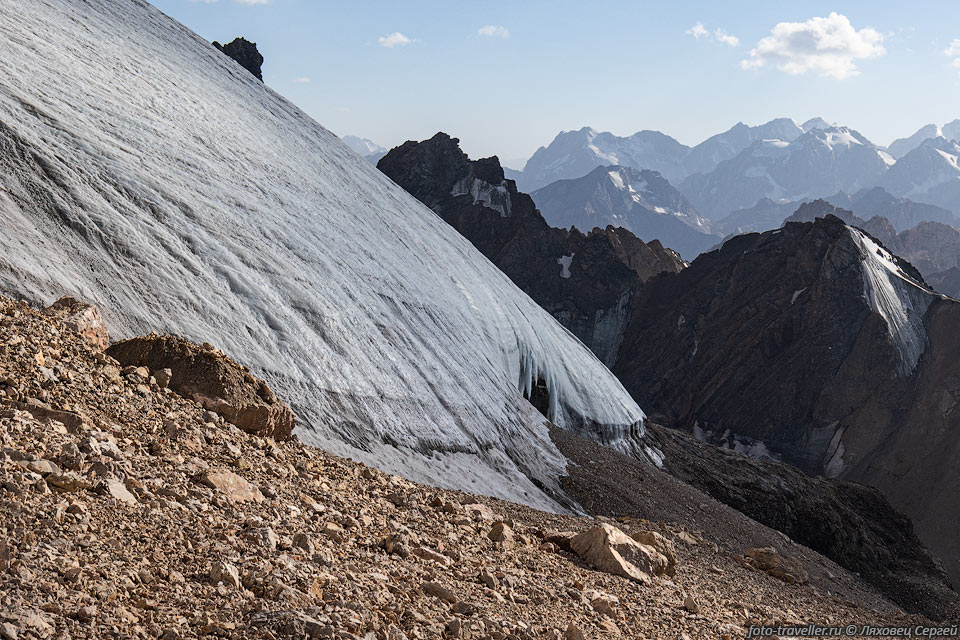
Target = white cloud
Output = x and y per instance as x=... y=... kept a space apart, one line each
x=395 y=39
x=303 y=80
x=720 y=35
x=828 y=46
x=493 y=31
x=250 y=2
x=697 y=31
x=726 y=38
x=953 y=51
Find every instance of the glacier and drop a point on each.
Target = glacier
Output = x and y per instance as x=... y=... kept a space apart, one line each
x=146 y=172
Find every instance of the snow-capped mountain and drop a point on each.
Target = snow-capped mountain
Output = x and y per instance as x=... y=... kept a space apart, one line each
x=930 y=173
x=370 y=150
x=819 y=162
x=705 y=157
x=148 y=173
x=639 y=200
x=573 y=154
x=902 y=146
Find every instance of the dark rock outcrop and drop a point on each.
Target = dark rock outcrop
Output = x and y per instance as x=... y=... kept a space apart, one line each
x=586 y=280
x=205 y=375
x=245 y=53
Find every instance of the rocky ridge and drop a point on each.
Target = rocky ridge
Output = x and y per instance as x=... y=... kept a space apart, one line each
x=827 y=374
x=130 y=510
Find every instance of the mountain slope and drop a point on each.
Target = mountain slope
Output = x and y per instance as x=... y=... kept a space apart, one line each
x=841 y=364
x=585 y=281
x=641 y=201
x=146 y=172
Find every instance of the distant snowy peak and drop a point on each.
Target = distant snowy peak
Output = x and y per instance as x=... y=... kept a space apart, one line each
x=370 y=150
x=708 y=154
x=902 y=146
x=363 y=146
x=927 y=173
x=573 y=154
x=639 y=200
x=815 y=123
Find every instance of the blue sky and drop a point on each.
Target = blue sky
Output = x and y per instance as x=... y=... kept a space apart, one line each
x=545 y=66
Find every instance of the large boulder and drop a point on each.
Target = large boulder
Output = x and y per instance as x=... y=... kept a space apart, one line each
x=609 y=549
x=205 y=375
x=81 y=317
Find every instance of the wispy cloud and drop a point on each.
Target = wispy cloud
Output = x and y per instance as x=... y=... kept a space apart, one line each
x=697 y=31
x=827 y=46
x=726 y=38
x=302 y=80
x=395 y=39
x=249 y=2
x=953 y=51
x=493 y=31
x=720 y=35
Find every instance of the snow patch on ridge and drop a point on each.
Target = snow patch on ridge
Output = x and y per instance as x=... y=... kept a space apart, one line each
x=565 y=262
x=492 y=196
x=896 y=297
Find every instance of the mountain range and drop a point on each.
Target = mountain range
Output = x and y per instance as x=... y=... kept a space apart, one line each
x=763 y=167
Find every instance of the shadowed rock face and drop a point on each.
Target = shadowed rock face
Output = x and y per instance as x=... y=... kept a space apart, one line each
x=212 y=379
x=775 y=344
x=586 y=281
x=245 y=53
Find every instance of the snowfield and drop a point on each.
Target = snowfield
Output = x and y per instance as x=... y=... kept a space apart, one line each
x=143 y=170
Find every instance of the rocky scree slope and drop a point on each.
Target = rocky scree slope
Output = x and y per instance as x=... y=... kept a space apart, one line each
x=586 y=281
x=144 y=171
x=127 y=509
x=812 y=344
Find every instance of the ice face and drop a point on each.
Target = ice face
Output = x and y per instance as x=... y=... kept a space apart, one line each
x=898 y=299
x=145 y=171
